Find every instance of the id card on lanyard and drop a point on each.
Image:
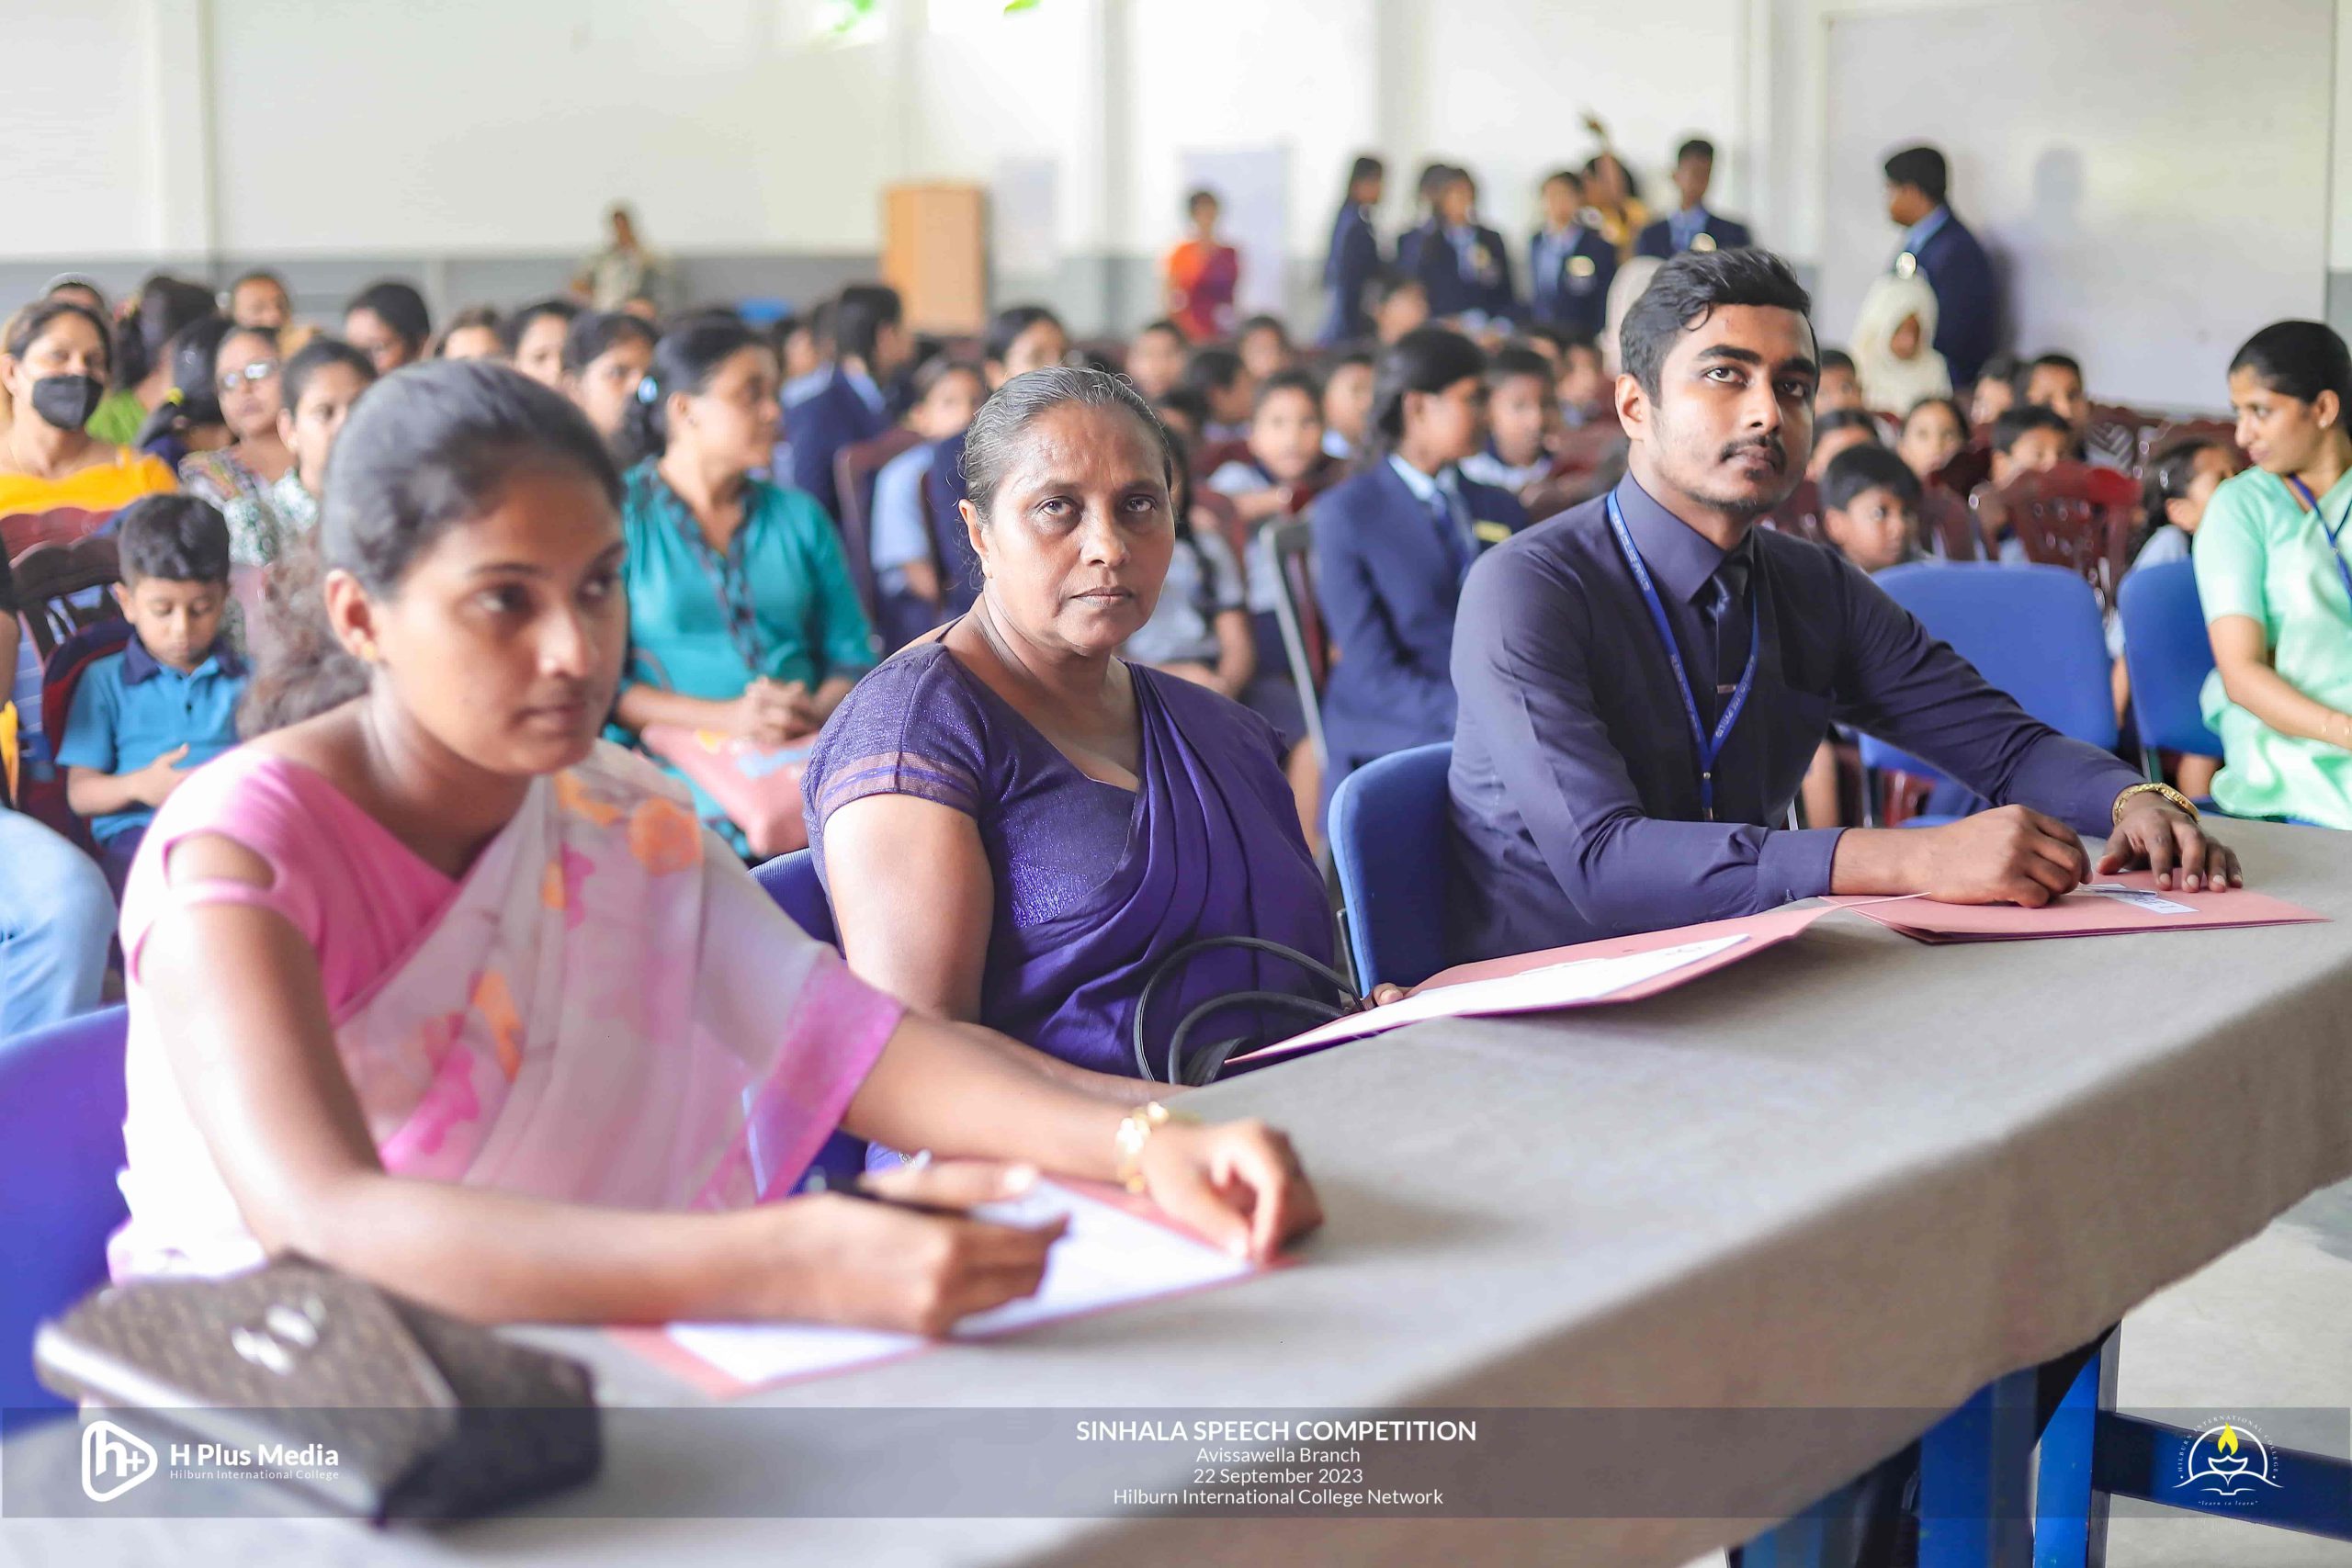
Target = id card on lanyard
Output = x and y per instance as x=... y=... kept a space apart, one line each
x=1709 y=746
x=2335 y=534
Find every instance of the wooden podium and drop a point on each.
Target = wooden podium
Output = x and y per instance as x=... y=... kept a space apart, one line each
x=934 y=252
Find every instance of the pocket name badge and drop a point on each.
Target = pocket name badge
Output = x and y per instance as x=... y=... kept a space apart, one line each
x=1579 y=274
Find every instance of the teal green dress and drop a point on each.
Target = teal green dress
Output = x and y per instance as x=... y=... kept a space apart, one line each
x=779 y=603
x=2260 y=554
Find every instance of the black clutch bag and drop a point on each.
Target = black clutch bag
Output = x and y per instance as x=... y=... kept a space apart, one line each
x=365 y=1403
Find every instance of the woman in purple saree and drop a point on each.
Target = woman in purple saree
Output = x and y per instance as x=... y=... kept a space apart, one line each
x=1016 y=827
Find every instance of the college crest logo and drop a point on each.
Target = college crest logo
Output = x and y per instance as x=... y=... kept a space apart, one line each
x=2226 y=1462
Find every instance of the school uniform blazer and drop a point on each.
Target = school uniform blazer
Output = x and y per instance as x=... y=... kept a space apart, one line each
x=819 y=426
x=1968 y=305
x=1387 y=587
x=1454 y=286
x=1658 y=240
x=1571 y=296
x=1348 y=270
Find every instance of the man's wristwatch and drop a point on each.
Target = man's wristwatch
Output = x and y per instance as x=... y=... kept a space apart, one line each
x=2187 y=805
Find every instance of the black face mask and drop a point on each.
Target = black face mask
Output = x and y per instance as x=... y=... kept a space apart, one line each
x=67 y=401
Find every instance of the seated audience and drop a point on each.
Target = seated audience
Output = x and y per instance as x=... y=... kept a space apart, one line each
x=238 y=478
x=1993 y=393
x=1185 y=413
x=55 y=911
x=144 y=718
x=1156 y=359
x=2271 y=570
x=1894 y=359
x=1264 y=345
x=2028 y=439
x=906 y=555
x=189 y=420
x=1584 y=385
x=1841 y=383
x=259 y=300
x=2056 y=382
x=476 y=332
x=1569 y=264
x=363 y=1026
x=1399 y=305
x=1347 y=403
x=389 y=323
x=871 y=345
x=1017 y=826
x=1839 y=430
x=805 y=346
x=53 y=366
x=323 y=379
x=742 y=616
x=2179 y=487
x=1392 y=544
x=1601 y=787
x=1934 y=432
x=1202 y=274
x=1869 y=510
x=606 y=354
x=1522 y=417
x=535 y=336
x=163 y=309
x=1200 y=628
x=1225 y=384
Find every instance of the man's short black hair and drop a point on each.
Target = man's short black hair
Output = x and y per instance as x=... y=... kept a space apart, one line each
x=1693 y=286
x=1869 y=467
x=1213 y=369
x=1389 y=282
x=2066 y=362
x=1837 y=359
x=1922 y=167
x=1294 y=381
x=176 y=537
x=1697 y=147
x=1835 y=419
x=2024 y=417
x=860 y=313
x=1568 y=177
x=1517 y=359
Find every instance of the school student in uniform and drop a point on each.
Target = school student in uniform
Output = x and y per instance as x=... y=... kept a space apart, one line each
x=1392 y=544
x=1464 y=267
x=871 y=344
x=1693 y=228
x=1426 y=190
x=1522 y=417
x=1346 y=404
x=1355 y=255
x=1569 y=265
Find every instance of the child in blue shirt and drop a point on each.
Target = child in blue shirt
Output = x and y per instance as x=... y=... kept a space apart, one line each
x=143 y=718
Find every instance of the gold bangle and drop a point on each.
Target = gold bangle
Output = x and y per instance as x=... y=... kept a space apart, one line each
x=2165 y=790
x=1135 y=1129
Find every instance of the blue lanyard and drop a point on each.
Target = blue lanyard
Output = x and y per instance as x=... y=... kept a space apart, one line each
x=1709 y=747
x=2334 y=549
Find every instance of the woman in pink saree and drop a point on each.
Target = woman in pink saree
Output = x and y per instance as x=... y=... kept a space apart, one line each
x=428 y=982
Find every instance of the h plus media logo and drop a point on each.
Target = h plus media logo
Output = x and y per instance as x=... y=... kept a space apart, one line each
x=114 y=1460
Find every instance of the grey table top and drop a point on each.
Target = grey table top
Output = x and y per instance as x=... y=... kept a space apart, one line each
x=1852 y=1172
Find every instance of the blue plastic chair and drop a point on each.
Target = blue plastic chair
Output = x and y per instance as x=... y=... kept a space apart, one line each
x=1388 y=840
x=61 y=1105
x=2031 y=631
x=2168 y=656
x=791 y=880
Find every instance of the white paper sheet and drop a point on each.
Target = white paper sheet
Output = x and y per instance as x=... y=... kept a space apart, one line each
x=1107 y=1257
x=1534 y=990
x=2152 y=903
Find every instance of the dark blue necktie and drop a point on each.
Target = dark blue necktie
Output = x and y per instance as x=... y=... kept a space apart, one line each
x=1723 y=615
x=1449 y=531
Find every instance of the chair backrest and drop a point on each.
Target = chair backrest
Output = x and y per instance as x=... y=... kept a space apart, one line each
x=60 y=588
x=61 y=671
x=855 y=466
x=2168 y=656
x=2075 y=516
x=1950 y=528
x=1969 y=467
x=1230 y=525
x=1302 y=624
x=20 y=531
x=1389 y=841
x=1800 y=514
x=2123 y=429
x=791 y=880
x=2031 y=631
x=1211 y=456
x=61 y=1104
x=2157 y=440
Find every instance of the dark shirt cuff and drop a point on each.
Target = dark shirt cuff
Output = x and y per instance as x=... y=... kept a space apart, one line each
x=1794 y=863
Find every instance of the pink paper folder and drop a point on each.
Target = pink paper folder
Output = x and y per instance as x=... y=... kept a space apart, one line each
x=2129 y=902
x=1617 y=969
x=1119 y=1250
